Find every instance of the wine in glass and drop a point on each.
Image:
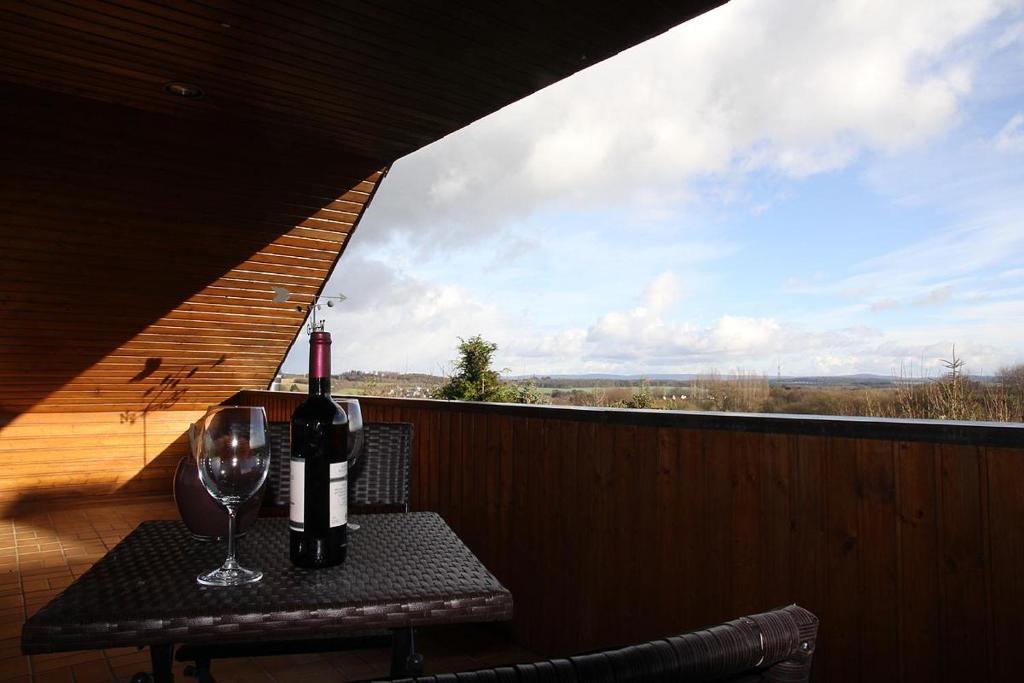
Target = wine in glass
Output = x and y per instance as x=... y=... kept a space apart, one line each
x=233 y=460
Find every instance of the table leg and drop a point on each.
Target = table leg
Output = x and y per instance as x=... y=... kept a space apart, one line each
x=161 y=657
x=405 y=661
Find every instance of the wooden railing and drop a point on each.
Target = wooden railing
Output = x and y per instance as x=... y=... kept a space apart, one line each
x=905 y=537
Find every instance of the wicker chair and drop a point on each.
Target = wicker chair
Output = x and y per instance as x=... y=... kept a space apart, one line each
x=379 y=483
x=775 y=646
x=380 y=479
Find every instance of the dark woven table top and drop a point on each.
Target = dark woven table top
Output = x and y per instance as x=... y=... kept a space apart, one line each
x=402 y=570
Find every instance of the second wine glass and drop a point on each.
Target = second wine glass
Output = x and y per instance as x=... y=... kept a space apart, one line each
x=354 y=449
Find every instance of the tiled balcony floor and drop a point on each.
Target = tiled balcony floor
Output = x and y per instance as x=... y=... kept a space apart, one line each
x=43 y=551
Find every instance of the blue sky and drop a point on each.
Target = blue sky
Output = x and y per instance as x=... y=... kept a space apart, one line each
x=830 y=187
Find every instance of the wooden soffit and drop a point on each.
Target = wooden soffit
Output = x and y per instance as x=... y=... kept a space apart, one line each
x=382 y=77
x=142 y=253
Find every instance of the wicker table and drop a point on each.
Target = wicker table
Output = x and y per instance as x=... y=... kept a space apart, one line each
x=403 y=571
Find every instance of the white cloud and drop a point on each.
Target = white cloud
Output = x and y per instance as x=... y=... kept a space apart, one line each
x=662 y=292
x=885 y=305
x=1011 y=137
x=395 y=321
x=399 y=322
x=930 y=272
x=796 y=87
x=935 y=296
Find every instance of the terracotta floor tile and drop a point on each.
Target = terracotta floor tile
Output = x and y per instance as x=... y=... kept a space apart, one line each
x=16 y=613
x=93 y=672
x=62 y=659
x=60 y=582
x=10 y=630
x=8 y=600
x=119 y=651
x=305 y=673
x=13 y=667
x=133 y=658
x=349 y=663
x=44 y=572
x=35 y=585
x=61 y=675
x=10 y=647
x=239 y=670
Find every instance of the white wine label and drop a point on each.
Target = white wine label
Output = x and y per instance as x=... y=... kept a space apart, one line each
x=296 y=493
x=339 y=494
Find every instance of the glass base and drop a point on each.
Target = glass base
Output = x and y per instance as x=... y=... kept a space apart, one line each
x=207 y=539
x=234 y=576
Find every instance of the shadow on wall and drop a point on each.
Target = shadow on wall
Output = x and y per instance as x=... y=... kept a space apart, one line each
x=67 y=458
x=73 y=458
x=140 y=256
x=141 y=250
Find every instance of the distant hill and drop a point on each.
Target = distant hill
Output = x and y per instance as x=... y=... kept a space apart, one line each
x=863 y=379
x=594 y=379
x=617 y=378
x=689 y=377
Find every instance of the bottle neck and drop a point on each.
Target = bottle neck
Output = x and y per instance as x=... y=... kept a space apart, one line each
x=320 y=386
x=320 y=364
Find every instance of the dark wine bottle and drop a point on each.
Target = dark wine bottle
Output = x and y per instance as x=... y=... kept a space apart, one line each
x=318 y=514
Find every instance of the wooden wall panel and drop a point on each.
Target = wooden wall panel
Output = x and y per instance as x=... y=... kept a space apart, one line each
x=64 y=457
x=1005 y=482
x=619 y=526
x=141 y=252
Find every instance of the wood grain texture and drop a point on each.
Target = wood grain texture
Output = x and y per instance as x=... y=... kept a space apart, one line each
x=382 y=79
x=1005 y=482
x=919 y=600
x=141 y=252
x=55 y=457
x=610 y=532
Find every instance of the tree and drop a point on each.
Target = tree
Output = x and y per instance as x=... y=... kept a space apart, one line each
x=476 y=380
x=1012 y=377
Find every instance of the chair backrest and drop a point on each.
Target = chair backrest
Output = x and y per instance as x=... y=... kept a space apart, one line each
x=382 y=473
x=380 y=478
x=280 y=434
x=774 y=646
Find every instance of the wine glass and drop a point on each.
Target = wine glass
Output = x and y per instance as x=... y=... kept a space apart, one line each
x=354 y=448
x=233 y=460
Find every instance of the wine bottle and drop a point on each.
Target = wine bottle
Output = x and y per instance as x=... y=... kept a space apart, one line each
x=318 y=510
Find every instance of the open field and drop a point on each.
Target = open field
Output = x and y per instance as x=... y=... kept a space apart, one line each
x=952 y=396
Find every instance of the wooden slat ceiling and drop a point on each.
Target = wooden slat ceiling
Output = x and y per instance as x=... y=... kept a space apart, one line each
x=383 y=77
x=141 y=251
x=142 y=234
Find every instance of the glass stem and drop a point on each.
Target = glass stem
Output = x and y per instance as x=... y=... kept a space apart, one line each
x=230 y=563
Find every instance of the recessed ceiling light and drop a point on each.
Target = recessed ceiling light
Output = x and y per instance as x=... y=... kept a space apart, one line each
x=186 y=90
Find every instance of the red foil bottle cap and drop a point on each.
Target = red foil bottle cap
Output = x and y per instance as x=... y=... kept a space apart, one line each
x=320 y=354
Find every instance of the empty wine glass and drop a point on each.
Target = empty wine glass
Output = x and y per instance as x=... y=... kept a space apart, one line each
x=354 y=448
x=233 y=459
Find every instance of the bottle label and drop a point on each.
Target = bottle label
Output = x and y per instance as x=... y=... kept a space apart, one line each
x=338 y=494
x=296 y=493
